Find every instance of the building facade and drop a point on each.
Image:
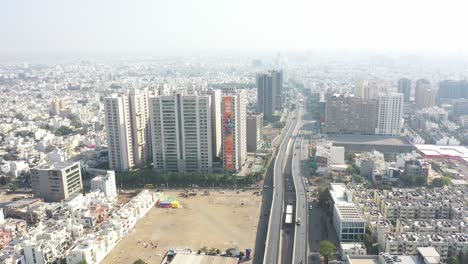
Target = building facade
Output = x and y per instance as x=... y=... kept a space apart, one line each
x=425 y=95
x=139 y=116
x=450 y=89
x=119 y=132
x=233 y=109
x=349 y=223
x=254 y=132
x=181 y=132
x=105 y=183
x=350 y=115
x=270 y=93
x=55 y=182
x=390 y=114
x=369 y=89
x=404 y=87
x=216 y=122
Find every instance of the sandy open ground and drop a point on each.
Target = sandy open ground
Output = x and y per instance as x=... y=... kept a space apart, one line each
x=218 y=220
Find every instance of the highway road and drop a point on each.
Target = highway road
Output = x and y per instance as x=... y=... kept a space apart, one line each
x=300 y=236
x=272 y=245
x=267 y=199
x=289 y=198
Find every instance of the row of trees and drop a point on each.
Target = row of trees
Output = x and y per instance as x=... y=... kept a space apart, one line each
x=147 y=176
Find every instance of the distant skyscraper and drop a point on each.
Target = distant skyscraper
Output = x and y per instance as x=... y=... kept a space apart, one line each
x=424 y=94
x=269 y=93
x=404 y=87
x=233 y=110
x=349 y=115
x=369 y=89
x=119 y=132
x=450 y=89
x=181 y=132
x=390 y=114
x=56 y=106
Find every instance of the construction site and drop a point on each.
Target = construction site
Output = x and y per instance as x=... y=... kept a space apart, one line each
x=192 y=220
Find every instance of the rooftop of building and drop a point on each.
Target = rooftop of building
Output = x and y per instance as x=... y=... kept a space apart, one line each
x=369 y=140
x=349 y=211
x=387 y=259
x=352 y=245
x=459 y=152
x=23 y=203
x=55 y=165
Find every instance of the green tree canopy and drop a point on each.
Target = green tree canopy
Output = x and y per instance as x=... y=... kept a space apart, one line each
x=453 y=260
x=323 y=197
x=139 y=261
x=327 y=249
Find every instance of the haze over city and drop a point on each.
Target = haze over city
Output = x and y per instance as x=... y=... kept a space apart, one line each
x=213 y=26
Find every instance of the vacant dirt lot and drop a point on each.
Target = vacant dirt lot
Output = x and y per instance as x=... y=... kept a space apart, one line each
x=218 y=220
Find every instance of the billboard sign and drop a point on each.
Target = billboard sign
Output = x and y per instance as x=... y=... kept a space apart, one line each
x=228 y=139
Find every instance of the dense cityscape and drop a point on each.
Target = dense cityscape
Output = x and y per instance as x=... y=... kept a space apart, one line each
x=213 y=133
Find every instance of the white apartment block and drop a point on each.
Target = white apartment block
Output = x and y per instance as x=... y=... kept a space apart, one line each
x=105 y=183
x=181 y=132
x=139 y=116
x=408 y=243
x=128 y=130
x=390 y=114
x=216 y=122
x=119 y=132
x=234 y=121
x=55 y=182
x=348 y=220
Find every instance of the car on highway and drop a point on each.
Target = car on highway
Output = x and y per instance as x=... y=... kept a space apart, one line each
x=266 y=186
x=311 y=207
x=298 y=221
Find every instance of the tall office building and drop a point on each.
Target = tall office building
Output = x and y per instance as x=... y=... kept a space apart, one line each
x=404 y=87
x=350 y=115
x=216 y=122
x=119 y=132
x=450 y=89
x=270 y=94
x=369 y=89
x=424 y=94
x=390 y=114
x=181 y=132
x=233 y=110
x=139 y=116
x=254 y=132
x=55 y=182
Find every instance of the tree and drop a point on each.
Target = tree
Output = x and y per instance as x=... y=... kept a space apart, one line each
x=139 y=261
x=323 y=197
x=420 y=181
x=442 y=181
x=327 y=249
x=19 y=116
x=63 y=131
x=358 y=179
x=453 y=260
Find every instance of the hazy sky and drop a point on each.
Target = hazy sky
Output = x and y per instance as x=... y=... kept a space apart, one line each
x=172 y=26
